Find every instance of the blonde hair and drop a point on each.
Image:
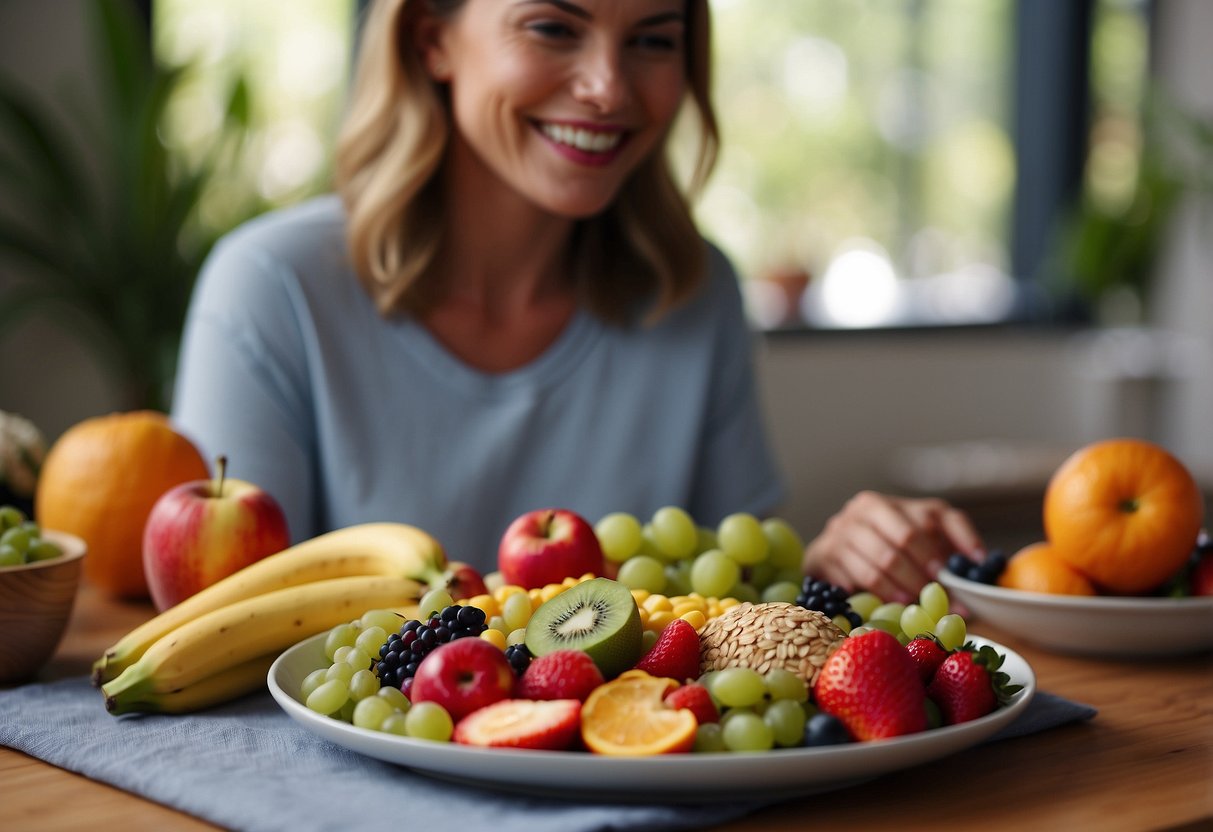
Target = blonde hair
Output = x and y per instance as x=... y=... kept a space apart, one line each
x=642 y=251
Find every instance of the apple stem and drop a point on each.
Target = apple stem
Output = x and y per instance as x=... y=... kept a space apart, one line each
x=220 y=471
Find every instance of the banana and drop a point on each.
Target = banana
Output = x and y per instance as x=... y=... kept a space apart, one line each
x=223 y=686
x=392 y=549
x=267 y=623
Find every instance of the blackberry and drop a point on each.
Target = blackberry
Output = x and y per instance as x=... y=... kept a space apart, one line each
x=986 y=572
x=519 y=657
x=826 y=598
x=403 y=651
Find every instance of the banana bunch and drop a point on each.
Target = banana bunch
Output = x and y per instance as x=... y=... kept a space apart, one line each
x=218 y=644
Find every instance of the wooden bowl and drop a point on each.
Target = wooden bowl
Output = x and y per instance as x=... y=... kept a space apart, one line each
x=36 y=601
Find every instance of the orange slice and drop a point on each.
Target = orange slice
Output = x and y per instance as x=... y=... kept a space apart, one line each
x=627 y=717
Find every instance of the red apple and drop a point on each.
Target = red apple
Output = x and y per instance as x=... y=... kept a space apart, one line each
x=464 y=581
x=462 y=676
x=546 y=546
x=201 y=531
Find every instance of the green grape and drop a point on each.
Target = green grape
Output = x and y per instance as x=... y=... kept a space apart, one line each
x=515 y=636
x=346 y=713
x=370 y=640
x=784 y=591
x=358 y=659
x=9 y=556
x=739 y=687
x=714 y=573
x=435 y=600
x=783 y=684
x=674 y=532
x=915 y=621
x=642 y=572
x=329 y=697
x=370 y=712
x=647 y=639
x=497 y=622
x=864 y=604
x=742 y=538
x=707 y=540
x=761 y=575
x=786 y=720
x=395 y=723
x=343 y=635
x=747 y=732
x=887 y=612
x=893 y=628
x=678 y=578
x=10 y=517
x=429 y=721
x=43 y=550
x=340 y=671
x=618 y=535
x=708 y=737
x=934 y=599
x=842 y=623
x=786 y=545
x=387 y=620
x=516 y=611
x=744 y=591
x=362 y=684
x=951 y=631
x=394 y=698
x=312 y=681
x=18 y=537
x=342 y=652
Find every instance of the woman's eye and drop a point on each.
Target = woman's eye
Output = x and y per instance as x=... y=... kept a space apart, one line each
x=660 y=43
x=551 y=29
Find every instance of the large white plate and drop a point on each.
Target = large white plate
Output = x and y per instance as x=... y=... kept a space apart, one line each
x=673 y=778
x=1085 y=625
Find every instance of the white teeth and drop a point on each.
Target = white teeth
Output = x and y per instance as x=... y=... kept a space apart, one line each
x=581 y=138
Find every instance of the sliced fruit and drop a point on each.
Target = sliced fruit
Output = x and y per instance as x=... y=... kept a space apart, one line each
x=599 y=617
x=550 y=724
x=628 y=718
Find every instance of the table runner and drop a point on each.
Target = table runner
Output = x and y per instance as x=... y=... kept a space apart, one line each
x=248 y=766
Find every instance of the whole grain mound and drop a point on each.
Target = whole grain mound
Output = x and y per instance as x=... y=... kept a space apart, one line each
x=763 y=636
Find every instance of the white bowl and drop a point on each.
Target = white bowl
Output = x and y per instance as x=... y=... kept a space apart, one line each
x=1090 y=625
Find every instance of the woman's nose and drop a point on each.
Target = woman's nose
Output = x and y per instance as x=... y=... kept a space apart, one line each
x=601 y=80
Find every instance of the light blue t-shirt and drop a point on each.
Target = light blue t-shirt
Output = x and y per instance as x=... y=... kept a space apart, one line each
x=347 y=417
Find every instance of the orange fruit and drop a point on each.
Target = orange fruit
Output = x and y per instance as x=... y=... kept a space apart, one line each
x=1124 y=512
x=100 y=480
x=628 y=717
x=1037 y=568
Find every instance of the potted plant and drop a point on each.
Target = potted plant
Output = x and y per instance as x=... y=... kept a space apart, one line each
x=112 y=254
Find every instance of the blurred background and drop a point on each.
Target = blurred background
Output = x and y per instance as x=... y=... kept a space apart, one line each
x=971 y=236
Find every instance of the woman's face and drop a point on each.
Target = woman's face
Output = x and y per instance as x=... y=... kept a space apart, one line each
x=560 y=100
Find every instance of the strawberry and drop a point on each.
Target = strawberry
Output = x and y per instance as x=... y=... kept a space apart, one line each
x=696 y=699
x=968 y=684
x=928 y=654
x=522 y=723
x=561 y=674
x=1202 y=573
x=675 y=654
x=871 y=685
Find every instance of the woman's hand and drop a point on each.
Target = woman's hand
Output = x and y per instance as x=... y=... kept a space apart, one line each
x=889 y=545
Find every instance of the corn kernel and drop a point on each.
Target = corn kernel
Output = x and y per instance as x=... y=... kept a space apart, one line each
x=657 y=602
x=640 y=595
x=550 y=591
x=682 y=608
x=505 y=591
x=494 y=637
x=487 y=603
x=695 y=618
x=660 y=619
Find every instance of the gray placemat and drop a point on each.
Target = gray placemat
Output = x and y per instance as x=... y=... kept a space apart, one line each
x=248 y=766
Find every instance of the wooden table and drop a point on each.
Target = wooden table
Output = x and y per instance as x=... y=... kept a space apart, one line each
x=1145 y=762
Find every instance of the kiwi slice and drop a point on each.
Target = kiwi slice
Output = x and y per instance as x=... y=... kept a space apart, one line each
x=598 y=616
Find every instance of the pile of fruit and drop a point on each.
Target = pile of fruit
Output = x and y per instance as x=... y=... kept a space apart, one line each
x=1121 y=517
x=21 y=539
x=756 y=677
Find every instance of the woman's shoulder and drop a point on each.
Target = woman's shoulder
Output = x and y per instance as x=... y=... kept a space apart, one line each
x=292 y=232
